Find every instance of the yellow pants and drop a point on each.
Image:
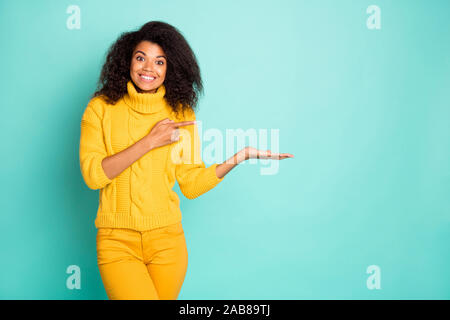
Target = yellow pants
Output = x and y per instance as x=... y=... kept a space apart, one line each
x=148 y=265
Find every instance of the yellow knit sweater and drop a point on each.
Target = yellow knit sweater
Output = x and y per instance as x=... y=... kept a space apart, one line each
x=141 y=197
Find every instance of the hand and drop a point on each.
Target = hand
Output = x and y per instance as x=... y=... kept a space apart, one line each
x=252 y=153
x=165 y=132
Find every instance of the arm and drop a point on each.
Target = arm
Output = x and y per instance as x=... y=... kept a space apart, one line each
x=192 y=175
x=117 y=163
x=92 y=149
x=195 y=179
x=97 y=168
x=223 y=168
x=245 y=154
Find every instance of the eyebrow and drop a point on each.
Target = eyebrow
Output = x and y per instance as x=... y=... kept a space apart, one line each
x=146 y=55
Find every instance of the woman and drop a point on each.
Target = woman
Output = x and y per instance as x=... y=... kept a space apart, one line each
x=138 y=135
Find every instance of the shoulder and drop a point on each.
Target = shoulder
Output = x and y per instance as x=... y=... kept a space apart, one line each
x=97 y=105
x=185 y=115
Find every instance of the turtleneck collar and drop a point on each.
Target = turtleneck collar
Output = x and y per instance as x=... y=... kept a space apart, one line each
x=145 y=102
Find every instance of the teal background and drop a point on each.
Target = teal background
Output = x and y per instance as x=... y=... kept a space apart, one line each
x=365 y=112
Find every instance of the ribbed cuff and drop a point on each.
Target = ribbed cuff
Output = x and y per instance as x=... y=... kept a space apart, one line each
x=99 y=174
x=214 y=177
x=201 y=183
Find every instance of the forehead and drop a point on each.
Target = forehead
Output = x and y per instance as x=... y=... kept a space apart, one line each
x=148 y=47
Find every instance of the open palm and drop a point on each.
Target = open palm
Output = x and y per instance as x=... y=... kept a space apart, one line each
x=253 y=153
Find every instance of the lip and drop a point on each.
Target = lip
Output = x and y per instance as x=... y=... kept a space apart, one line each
x=145 y=80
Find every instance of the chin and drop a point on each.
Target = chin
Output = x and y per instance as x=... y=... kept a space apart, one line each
x=147 y=87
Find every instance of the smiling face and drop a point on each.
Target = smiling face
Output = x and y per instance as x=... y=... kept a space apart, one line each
x=148 y=66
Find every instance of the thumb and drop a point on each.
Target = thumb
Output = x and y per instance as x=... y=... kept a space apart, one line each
x=166 y=120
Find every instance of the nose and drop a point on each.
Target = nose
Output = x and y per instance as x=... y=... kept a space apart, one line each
x=148 y=66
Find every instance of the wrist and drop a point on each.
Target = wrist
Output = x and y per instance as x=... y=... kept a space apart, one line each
x=148 y=143
x=240 y=157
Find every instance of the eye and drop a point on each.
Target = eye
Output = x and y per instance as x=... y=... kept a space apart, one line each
x=139 y=57
x=162 y=62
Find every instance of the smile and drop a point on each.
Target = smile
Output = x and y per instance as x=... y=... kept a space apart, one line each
x=146 y=78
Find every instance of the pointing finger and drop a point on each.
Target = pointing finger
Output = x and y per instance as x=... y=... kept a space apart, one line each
x=166 y=120
x=184 y=123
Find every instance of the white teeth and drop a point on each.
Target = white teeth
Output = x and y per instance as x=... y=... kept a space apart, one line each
x=148 y=78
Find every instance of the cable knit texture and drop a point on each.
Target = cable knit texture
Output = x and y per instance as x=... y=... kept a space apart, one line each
x=141 y=197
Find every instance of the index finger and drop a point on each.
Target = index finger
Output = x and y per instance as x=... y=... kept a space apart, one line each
x=183 y=123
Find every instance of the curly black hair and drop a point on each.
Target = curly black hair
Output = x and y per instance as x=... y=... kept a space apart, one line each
x=183 y=82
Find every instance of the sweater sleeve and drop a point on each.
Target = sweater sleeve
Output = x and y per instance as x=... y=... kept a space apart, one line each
x=92 y=149
x=193 y=177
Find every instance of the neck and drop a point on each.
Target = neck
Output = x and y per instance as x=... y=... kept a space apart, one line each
x=139 y=90
x=144 y=102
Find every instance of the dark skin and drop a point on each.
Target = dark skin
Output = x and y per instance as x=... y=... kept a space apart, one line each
x=149 y=59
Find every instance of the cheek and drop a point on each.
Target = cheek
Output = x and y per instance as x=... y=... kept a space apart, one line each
x=162 y=72
x=134 y=66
